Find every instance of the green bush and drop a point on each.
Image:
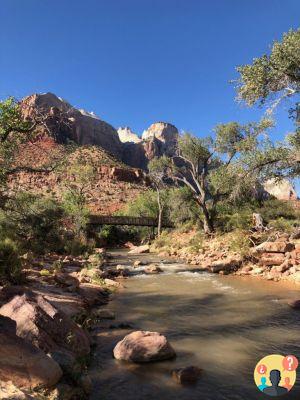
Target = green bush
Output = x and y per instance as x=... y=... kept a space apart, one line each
x=274 y=209
x=196 y=242
x=240 y=243
x=285 y=225
x=37 y=222
x=10 y=264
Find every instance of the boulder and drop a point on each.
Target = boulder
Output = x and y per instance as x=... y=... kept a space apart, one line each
x=137 y=263
x=274 y=247
x=23 y=364
x=140 y=249
x=67 y=280
x=187 y=374
x=92 y=294
x=152 y=269
x=143 y=346
x=226 y=265
x=294 y=304
x=111 y=282
x=284 y=266
x=44 y=326
x=272 y=259
x=68 y=363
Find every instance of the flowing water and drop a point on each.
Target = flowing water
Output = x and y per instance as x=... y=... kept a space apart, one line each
x=223 y=324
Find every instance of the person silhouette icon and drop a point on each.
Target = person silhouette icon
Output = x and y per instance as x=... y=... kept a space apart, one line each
x=287 y=383
x=263 y=384
x=275 y=389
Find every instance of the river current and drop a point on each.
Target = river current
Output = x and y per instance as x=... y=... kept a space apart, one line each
x=223 y=324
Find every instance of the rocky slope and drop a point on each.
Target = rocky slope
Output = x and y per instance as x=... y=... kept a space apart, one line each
x=112 y=183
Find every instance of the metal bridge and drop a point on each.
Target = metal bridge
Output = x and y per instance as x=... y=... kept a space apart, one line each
x=125 y=220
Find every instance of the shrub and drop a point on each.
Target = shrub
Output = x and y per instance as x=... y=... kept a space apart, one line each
x=37 y=222
x=196 y=242
x=10 y=263
x=239 y=242
x=273 y=209
x=282 y=224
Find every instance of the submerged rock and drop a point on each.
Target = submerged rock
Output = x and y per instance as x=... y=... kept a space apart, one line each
x=143 y=346
x=294 y=304
x=152 y=269
x=187 y=374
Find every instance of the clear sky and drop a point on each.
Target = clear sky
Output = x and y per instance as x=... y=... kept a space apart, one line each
x=134 y=62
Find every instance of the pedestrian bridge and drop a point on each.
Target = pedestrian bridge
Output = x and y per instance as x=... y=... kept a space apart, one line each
x=126 y=220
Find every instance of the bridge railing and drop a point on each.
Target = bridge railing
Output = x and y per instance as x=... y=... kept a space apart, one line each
x=125 y=220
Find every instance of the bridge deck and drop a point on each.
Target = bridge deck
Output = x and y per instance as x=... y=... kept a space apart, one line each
x=125 y=220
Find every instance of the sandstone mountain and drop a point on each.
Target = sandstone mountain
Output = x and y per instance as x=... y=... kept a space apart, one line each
x=118 y=157
x=67 y=123
x=159 y=139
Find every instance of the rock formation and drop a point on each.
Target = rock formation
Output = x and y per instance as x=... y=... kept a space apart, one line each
x=158 y=140
x=142 y=346
x=126 y=135
x=68 y=123
x=282 y=190
x=21 y=362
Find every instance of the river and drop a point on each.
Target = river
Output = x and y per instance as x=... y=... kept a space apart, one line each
x=223 y=324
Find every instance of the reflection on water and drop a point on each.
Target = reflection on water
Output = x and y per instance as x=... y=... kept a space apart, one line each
x=221 y=324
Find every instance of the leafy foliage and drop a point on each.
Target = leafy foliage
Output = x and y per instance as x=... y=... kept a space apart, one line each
x=274 y=74
x=220 y=168
x=10 y=264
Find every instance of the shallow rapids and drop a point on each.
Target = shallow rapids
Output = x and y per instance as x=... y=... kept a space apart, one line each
x=223 y=324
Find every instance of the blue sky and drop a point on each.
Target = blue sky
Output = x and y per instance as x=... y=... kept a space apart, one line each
x=134 y=62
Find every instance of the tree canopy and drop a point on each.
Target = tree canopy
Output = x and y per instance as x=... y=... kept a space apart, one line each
x=272 y=76
x=221 y=167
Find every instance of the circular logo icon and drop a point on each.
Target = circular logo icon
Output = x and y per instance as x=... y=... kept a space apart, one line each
x=275 y=375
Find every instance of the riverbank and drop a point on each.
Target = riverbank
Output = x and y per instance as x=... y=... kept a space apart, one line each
x=95 y=303
x=46 y=322
x=268 y=255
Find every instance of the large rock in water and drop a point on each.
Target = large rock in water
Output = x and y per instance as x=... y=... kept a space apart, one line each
x=69 y=123
x=44 y=326
x=140 y=249
x=22 y=363
x=142 y=347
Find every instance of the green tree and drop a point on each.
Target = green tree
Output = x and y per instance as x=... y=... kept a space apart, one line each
x=275 y=74
x=218 y=168
x=76 y=184
x=270 y=79
x=156 y=176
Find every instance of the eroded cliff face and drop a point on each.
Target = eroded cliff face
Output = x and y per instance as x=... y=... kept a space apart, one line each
x=158 y=140
x=66 y=122
x=282 y=190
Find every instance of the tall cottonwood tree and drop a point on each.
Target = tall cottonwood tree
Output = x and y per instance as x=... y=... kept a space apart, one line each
x=219 y=167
